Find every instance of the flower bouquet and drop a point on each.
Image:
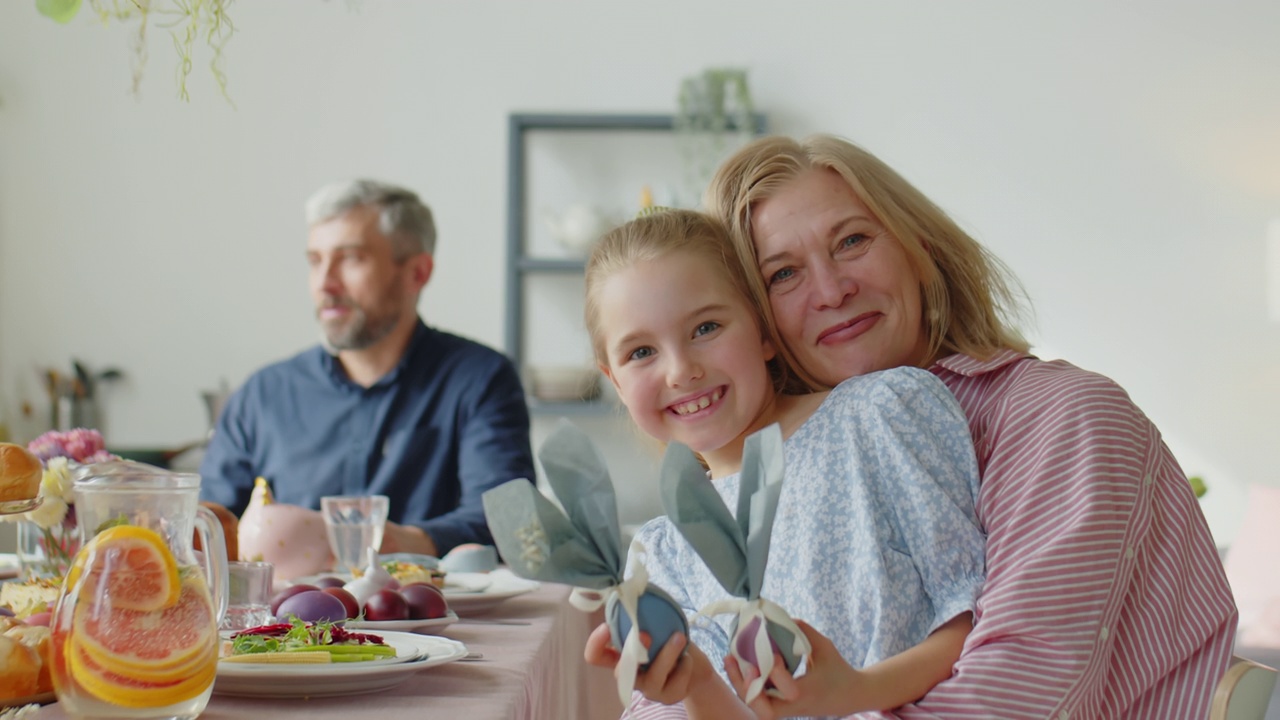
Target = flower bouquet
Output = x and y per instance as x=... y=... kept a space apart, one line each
x=48 y=538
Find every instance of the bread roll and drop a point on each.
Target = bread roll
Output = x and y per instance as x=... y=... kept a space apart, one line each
x=19 y=669
x=37 y=637
x=20 y=473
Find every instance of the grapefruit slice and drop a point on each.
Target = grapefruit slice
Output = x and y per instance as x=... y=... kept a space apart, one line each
x=130 y=567
x=125 y=691
x=153 y=645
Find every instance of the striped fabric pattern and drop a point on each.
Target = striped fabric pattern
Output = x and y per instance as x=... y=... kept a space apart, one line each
x=1105 y=596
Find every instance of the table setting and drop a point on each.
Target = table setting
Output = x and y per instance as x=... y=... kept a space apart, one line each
x=484 y=641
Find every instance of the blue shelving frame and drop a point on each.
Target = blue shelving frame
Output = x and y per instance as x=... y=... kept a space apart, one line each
x=519 y=265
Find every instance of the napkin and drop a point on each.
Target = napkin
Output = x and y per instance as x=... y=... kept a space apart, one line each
x=582 y=546
x=735 y=548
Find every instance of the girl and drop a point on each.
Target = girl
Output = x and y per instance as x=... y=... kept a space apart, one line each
x=875 y=539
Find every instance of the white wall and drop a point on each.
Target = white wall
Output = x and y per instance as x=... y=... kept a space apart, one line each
x=1123 y=159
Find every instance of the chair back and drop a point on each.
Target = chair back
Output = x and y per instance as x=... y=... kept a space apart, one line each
x=1244 y=691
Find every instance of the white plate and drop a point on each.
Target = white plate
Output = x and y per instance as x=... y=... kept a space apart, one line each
x=337 y=678
x=466 y=583
x=13 y=507
x=501 y=584
x=381 y=626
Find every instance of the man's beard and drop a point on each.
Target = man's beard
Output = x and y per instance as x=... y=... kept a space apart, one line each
x=360 y=329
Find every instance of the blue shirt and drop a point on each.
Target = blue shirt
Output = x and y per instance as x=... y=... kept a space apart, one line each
x=446 y=424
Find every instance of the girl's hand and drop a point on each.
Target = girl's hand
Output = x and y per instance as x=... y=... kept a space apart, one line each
x=671 y=677
x=830 y=686
x=599 y=651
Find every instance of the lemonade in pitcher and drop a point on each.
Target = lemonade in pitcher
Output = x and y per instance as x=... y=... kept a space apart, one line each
x=135 y=631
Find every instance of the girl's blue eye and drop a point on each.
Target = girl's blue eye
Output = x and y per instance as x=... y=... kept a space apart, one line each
x=640 y=353
x=706 y=327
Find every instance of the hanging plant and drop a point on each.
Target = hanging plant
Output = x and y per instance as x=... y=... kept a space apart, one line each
x=188 y=21
x=714 y=108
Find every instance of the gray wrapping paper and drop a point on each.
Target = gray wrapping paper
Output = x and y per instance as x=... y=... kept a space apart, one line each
x=581 y=546
x=735 y=548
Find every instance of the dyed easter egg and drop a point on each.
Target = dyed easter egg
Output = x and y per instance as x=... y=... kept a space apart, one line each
x=659 y=615
x=780 y=640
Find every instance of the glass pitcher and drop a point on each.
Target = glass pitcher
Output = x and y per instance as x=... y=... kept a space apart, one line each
x=135 y=632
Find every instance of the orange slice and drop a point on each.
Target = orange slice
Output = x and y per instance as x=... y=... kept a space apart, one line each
x=130 y=567
x=124 y=691
x=154 y=645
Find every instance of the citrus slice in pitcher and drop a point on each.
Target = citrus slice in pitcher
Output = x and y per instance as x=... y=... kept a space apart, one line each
x=129 y=565
x=155 y=645
x=129 y=691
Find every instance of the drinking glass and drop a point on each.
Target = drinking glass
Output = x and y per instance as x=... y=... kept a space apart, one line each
x=354 y=524
x=248 y=595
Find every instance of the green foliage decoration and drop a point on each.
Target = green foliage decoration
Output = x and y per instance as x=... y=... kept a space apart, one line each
x=58 y=10
x=714 y=114
x=188 y=21
x=1197 y=485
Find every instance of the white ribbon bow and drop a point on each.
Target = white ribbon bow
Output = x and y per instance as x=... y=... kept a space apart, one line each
x=767 y=612
x=628 y=591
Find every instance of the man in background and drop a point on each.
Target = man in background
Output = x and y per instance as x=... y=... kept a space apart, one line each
x=385 y=405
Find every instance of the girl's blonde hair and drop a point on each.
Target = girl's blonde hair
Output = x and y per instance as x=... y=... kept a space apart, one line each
x=970 y=301
x=660 y=234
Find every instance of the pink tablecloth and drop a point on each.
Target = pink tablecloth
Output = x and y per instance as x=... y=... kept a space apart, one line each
x=533 y=671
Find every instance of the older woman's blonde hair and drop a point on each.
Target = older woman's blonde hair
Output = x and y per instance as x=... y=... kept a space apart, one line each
x=660 y=234
x=969 y=299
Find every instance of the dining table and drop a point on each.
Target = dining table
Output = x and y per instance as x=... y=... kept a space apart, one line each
x=524 y=662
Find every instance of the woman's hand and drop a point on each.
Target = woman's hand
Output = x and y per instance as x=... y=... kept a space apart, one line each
x=830 y=686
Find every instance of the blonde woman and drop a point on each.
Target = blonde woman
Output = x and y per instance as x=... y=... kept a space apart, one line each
x=1105 y=596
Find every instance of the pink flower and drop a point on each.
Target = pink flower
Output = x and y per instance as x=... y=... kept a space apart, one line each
x=80 y=445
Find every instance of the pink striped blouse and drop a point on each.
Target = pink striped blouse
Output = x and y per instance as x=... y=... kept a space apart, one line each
x=1105 y=597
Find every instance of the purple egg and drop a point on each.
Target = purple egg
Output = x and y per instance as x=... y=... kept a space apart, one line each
x=746 y=645
x=313 y=606
x=780 y=641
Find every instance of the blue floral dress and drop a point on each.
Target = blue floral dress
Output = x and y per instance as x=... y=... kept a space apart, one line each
x=876 y=542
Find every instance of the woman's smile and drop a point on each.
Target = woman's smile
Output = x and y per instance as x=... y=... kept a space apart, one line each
x=848 y=330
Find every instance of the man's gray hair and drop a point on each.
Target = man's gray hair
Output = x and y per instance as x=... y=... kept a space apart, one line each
x=402 y=217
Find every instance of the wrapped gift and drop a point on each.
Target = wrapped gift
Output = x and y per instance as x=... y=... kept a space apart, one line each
x=735 y=548
x=582 y=546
